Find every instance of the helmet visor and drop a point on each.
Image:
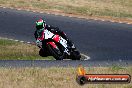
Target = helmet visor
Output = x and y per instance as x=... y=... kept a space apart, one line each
x=39 y=25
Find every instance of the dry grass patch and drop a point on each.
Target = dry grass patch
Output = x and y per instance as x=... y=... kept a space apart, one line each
x=55 y=77
x=19 y=51
x=110 y=8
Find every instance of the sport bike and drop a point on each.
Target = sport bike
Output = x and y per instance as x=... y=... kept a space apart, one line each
x=58 y=47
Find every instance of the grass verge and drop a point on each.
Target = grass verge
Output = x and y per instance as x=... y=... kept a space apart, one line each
x=55 y=77
x=88 y=8
x=11 y=50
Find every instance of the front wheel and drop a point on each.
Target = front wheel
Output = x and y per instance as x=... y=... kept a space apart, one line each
x=43 y=53
x=56 y=53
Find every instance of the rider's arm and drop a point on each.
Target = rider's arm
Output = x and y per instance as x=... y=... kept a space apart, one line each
x=39 y=38
x=39 y=34
x=35 y=35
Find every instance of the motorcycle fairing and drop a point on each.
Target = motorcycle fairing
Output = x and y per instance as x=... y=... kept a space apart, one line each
x=57 y=38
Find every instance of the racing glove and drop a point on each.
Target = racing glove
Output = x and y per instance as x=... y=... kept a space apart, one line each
x=39 y=43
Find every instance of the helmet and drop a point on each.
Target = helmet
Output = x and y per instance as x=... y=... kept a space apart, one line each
x=40 y=24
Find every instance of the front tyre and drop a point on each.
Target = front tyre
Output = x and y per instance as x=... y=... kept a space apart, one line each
x=43 y=53
x=75 y=55
x=56 y=53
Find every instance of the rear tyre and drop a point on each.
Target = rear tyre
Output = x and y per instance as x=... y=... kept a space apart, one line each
x=56 y=53
x=75 y=55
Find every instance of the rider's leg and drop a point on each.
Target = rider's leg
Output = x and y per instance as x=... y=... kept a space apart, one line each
x=63 y=35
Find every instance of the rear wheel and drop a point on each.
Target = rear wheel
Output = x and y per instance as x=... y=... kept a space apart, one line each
x=57 y=53
x=75 y=55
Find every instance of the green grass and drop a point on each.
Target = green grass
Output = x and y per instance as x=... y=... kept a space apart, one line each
x=55 y=77
x=110 y=8
x=11 y=50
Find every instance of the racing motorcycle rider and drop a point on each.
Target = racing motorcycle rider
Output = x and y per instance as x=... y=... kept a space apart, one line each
x=39 y=33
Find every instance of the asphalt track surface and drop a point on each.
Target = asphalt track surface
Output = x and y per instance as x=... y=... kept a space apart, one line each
x=102 y=41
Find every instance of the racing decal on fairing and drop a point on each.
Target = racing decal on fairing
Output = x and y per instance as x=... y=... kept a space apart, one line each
x=56 y=38
x=53 y=44
x=48 y=34
x=63 y=42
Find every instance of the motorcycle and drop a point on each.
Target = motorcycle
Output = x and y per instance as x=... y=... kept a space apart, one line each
x=58 y=47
